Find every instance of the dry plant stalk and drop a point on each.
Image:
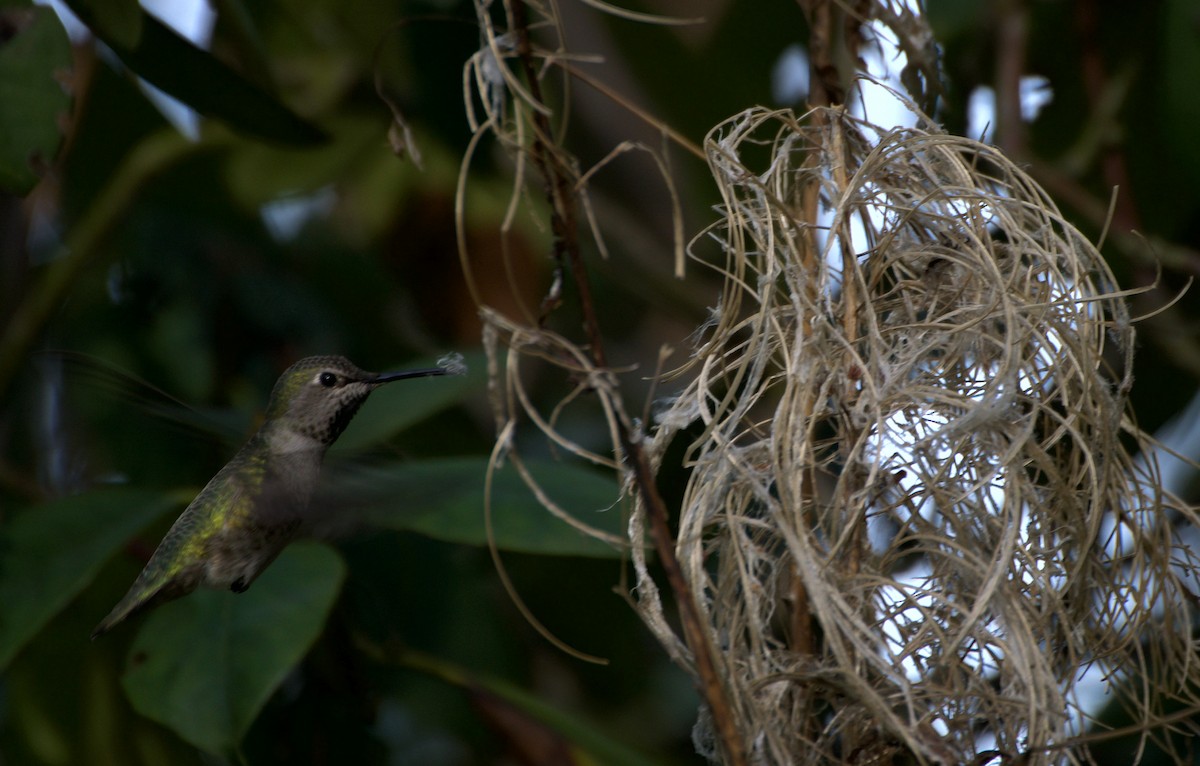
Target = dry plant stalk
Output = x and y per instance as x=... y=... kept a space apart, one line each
x=911 y=521
x=503 y=94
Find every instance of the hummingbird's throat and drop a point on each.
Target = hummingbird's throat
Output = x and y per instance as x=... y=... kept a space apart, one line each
x=286 y=441
x=332 y=428
x=306 y=431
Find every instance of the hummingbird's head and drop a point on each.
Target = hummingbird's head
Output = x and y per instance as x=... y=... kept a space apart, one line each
x=316 y=397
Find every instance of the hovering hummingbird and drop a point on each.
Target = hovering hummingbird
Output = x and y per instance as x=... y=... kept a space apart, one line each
x=255 y=505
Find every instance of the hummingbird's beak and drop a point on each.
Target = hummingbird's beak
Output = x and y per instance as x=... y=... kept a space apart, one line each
x=450 y=364
x=388 y=377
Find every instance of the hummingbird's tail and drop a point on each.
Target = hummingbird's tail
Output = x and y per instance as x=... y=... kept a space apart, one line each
x=141 y=597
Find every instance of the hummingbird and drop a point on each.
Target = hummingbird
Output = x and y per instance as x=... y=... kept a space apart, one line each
x=248 y=513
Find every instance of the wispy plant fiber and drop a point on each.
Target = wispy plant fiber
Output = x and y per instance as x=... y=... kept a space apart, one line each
x=913 y=524
x=913 y=519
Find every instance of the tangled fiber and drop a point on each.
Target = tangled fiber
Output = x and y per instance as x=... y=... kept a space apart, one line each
x=918 y=516
x=913 y=519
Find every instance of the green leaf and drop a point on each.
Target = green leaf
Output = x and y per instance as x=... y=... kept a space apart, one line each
x=116 y=20
x=195 y=77
x=1180 y=54
x=51 y=552
x=32 y=100
x=206 y=664
x=264 y=172
x=444 y=499
x=399 y=405
x=486 y=690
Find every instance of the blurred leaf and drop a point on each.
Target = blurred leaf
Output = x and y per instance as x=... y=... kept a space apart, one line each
x=494 y=694
x=34 y=52
x=697 y=82
x=205 y=665
x=51 y=552
x=262 y=173
x=116 y=20
x=195 y=77
x=397 y=406
x=1181 y=110
x=950 y=18
x=177 y=326
x=444 y=500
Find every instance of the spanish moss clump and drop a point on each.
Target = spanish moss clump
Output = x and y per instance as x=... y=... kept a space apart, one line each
x=913 y=520
x=914 y=526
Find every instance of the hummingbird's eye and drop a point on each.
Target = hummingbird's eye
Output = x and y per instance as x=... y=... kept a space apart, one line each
x=328 y=379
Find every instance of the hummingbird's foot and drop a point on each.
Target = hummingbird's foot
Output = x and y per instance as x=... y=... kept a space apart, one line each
x=239 y=585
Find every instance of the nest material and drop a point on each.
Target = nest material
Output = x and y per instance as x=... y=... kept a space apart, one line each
x=911 y=521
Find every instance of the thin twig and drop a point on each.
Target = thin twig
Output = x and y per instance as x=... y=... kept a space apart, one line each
x=564 y=224
x=643 y=115
x=1012 y=39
